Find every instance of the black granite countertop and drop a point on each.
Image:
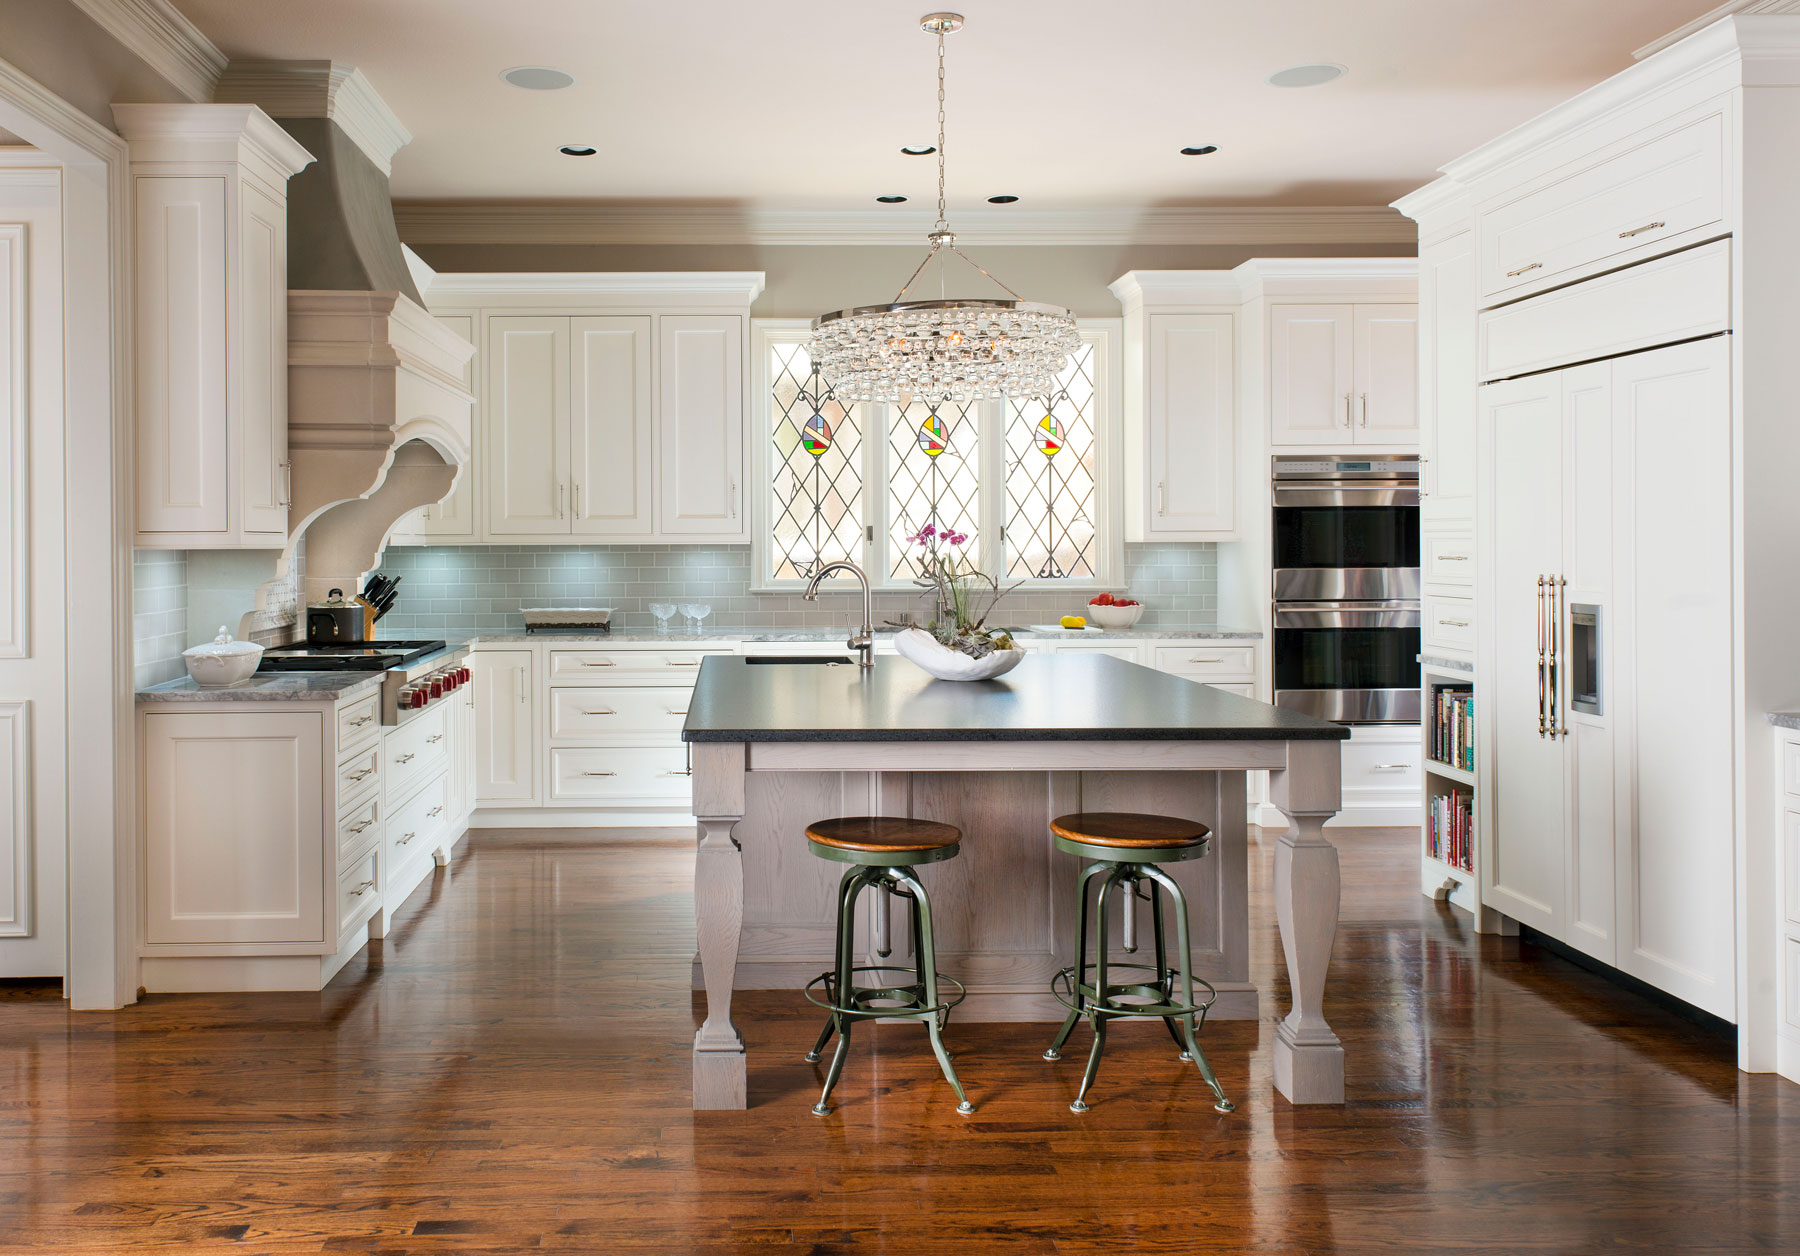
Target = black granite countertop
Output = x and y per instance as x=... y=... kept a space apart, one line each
x=1047 y=697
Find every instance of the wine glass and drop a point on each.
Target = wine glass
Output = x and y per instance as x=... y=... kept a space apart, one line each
x=664 y=612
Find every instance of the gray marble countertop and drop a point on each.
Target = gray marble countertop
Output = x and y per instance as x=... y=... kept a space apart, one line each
x=1047 y=697
x=270 y=687
x=1449 y=665
x=1785 y=719
x=1186 y=632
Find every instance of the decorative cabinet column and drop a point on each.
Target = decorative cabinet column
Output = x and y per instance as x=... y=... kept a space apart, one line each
x=210 y=224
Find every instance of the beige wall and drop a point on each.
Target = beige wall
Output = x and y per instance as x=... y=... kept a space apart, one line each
x=806 y=280
x=67 y=51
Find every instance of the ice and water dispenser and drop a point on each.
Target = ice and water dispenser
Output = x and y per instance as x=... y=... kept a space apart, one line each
x=1585 y=659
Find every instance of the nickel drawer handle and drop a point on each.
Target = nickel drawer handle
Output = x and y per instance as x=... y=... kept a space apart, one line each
x=435 y=811
x=599 y=712
x=435 y=737
x=1454 y=623
x=360 y=722
x=358 y=828
x=362 y=889
x=1453 y=558
x=675 y=712
x=682 y=663
x=1514 y=274
x=1391 y=767
x=1210 y=660
x=679 y=772
x=601 y=663
x=1635 y=231
x=409 y=837
x=599 y=773
x=363 y=775
x=406 y=758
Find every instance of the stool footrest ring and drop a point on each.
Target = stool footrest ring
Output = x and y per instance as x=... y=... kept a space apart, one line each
x=911 y=995
x=1083 y=998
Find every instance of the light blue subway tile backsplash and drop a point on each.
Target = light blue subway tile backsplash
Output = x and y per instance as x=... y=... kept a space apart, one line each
x=454 y=589
x=159 y=621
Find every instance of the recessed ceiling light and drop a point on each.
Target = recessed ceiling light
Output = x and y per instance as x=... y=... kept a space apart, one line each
x=890 y=200
x=1001 y=200
x=538 y=78
x=1200 y=150
x=918 y=150
x=1307 y=75
x=577 y=150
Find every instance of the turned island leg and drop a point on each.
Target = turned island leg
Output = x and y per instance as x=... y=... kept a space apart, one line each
x=1309 y=1061
x=719 y=1057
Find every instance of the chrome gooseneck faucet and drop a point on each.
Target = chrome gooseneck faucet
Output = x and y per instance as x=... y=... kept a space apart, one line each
x=864 y=641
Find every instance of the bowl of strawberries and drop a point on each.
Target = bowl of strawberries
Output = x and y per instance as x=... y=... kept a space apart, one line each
x=1109 y=611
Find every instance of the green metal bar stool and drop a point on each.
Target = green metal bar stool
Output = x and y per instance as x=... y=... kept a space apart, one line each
x=881 y=852
x=1126 y=850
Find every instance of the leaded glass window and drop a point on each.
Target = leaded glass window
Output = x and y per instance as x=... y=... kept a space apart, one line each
x=1052 y=506
x=816 y=469
x=934 y=477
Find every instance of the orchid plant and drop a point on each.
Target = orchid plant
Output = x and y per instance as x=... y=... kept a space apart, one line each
x=959 y=586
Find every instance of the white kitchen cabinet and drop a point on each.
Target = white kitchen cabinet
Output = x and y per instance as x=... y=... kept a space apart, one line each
x=209 y=185
x=1343 y=374
x=505 y=735
x=610 y=427
x=526 y=449
x=451 y=521
x=1191 y=427
x=1447 y=379
x=234 y=818
x=700 y=428
x=1311 y=374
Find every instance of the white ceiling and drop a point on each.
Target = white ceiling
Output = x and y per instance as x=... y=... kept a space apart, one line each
x=803 y=105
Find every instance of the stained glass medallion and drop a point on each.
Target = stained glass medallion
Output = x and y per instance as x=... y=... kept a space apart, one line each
x=816 y=501
x=933 y=478
x=1051 y=469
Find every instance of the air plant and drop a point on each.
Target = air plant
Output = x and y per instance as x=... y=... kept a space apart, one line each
x=961 y=590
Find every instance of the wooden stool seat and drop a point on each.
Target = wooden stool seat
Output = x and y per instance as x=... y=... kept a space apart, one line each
x=883 y=834
x=1129 y=831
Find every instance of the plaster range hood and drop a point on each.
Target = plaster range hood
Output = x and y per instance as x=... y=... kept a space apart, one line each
x=378 y=414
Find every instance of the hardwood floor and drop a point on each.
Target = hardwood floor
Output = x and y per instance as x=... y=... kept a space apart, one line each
x=508 y=1072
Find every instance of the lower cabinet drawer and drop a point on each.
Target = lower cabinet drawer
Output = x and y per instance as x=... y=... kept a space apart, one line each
x=1127 y=652
x=416 y=749
x=358 y=777
x=1449 y=626
x=414 y=826
x=358 y=830
x=604 y=667
x=577 y=714
x=1383 y=765
x=358 y=889
x=358 y=721
x=1245 y=690
x=1450 y=560
x=649 y=774
x=1205 y=660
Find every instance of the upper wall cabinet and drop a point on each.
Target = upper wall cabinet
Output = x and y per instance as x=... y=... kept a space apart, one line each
x=210 y=242
x=1343 y=374
x=610 y=406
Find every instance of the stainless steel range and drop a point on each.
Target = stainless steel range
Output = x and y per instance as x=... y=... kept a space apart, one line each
x=419 y=673
x=1346 y=588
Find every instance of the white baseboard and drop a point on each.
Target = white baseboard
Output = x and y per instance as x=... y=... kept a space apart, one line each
x=575 y=818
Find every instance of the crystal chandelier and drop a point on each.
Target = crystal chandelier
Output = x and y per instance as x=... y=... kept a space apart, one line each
x=965 y=349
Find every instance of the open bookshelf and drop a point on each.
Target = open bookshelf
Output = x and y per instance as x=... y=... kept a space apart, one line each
x=1447 y=846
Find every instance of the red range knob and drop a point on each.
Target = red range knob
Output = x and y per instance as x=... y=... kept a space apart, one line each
x=435 y=688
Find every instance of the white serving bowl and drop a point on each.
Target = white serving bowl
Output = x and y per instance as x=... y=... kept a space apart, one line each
x=922 y=649
x=222 y=663
x=1114 y=616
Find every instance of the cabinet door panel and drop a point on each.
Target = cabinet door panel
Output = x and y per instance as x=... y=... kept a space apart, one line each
x=1523 y=848
x=262 y=387
x=527 y=474
x=609 y=435
x=505 y=766
x=234 y=827
x=1672 y=425
x=1447 y=371
x=700 y=430
x=180 y=346
x=1310 y=381
x=1193 y=426
x=1387 y=374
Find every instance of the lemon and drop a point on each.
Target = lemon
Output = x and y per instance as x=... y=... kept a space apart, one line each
x=1073 y=621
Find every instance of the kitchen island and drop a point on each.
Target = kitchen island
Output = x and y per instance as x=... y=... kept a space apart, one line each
x=778 y=743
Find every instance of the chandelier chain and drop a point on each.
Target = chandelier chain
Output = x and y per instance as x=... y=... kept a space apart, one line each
x=943 y=223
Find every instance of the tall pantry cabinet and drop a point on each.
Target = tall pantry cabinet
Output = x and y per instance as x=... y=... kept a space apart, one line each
x=1633 y=307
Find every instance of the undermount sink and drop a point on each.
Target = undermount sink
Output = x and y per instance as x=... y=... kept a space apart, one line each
x=826 y=660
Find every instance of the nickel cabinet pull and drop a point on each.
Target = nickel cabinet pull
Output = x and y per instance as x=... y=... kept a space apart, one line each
x=358 y=723
x=1454 y=623
x=1542 y=661
x=406 y=758
x=1637 y=231
x=679 y=772
x=1391 y=767
x=599 y=712
x=362 y=889
x=363 y=775
x=598 y=663
x=1453 y=558
x=1558 y=604
x=734 y=499
x=405 y=838
x=1365 y=409
x=1514 y=274
x=562 y=494
x=684 y=663
x=1213 y=659
x=435 y=737
x=599 y=773
x=359 y=828
x=675 y=712
x=1162 y=497
x=435 y=811
x=577 y=495
x=1346 y=409
x=287 y=484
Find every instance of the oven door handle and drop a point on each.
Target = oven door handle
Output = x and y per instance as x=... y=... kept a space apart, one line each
x=1325 y=615
x=1400 y=495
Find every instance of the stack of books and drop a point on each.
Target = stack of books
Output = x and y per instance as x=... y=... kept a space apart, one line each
x=1453 y=727
x=1450 y=829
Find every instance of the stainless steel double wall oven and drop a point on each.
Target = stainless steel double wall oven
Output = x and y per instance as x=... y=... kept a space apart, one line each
x=1346 y=588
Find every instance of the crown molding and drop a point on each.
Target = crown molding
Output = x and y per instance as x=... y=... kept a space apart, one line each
x=183 y=133
x=600 y=222
x=1730 y=9
x=730 y=289
x=320 y=89
x=158 y=35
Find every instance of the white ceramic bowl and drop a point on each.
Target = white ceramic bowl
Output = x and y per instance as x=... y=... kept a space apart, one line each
x=222 y=663
x=921 y=648
x=1114 y=616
